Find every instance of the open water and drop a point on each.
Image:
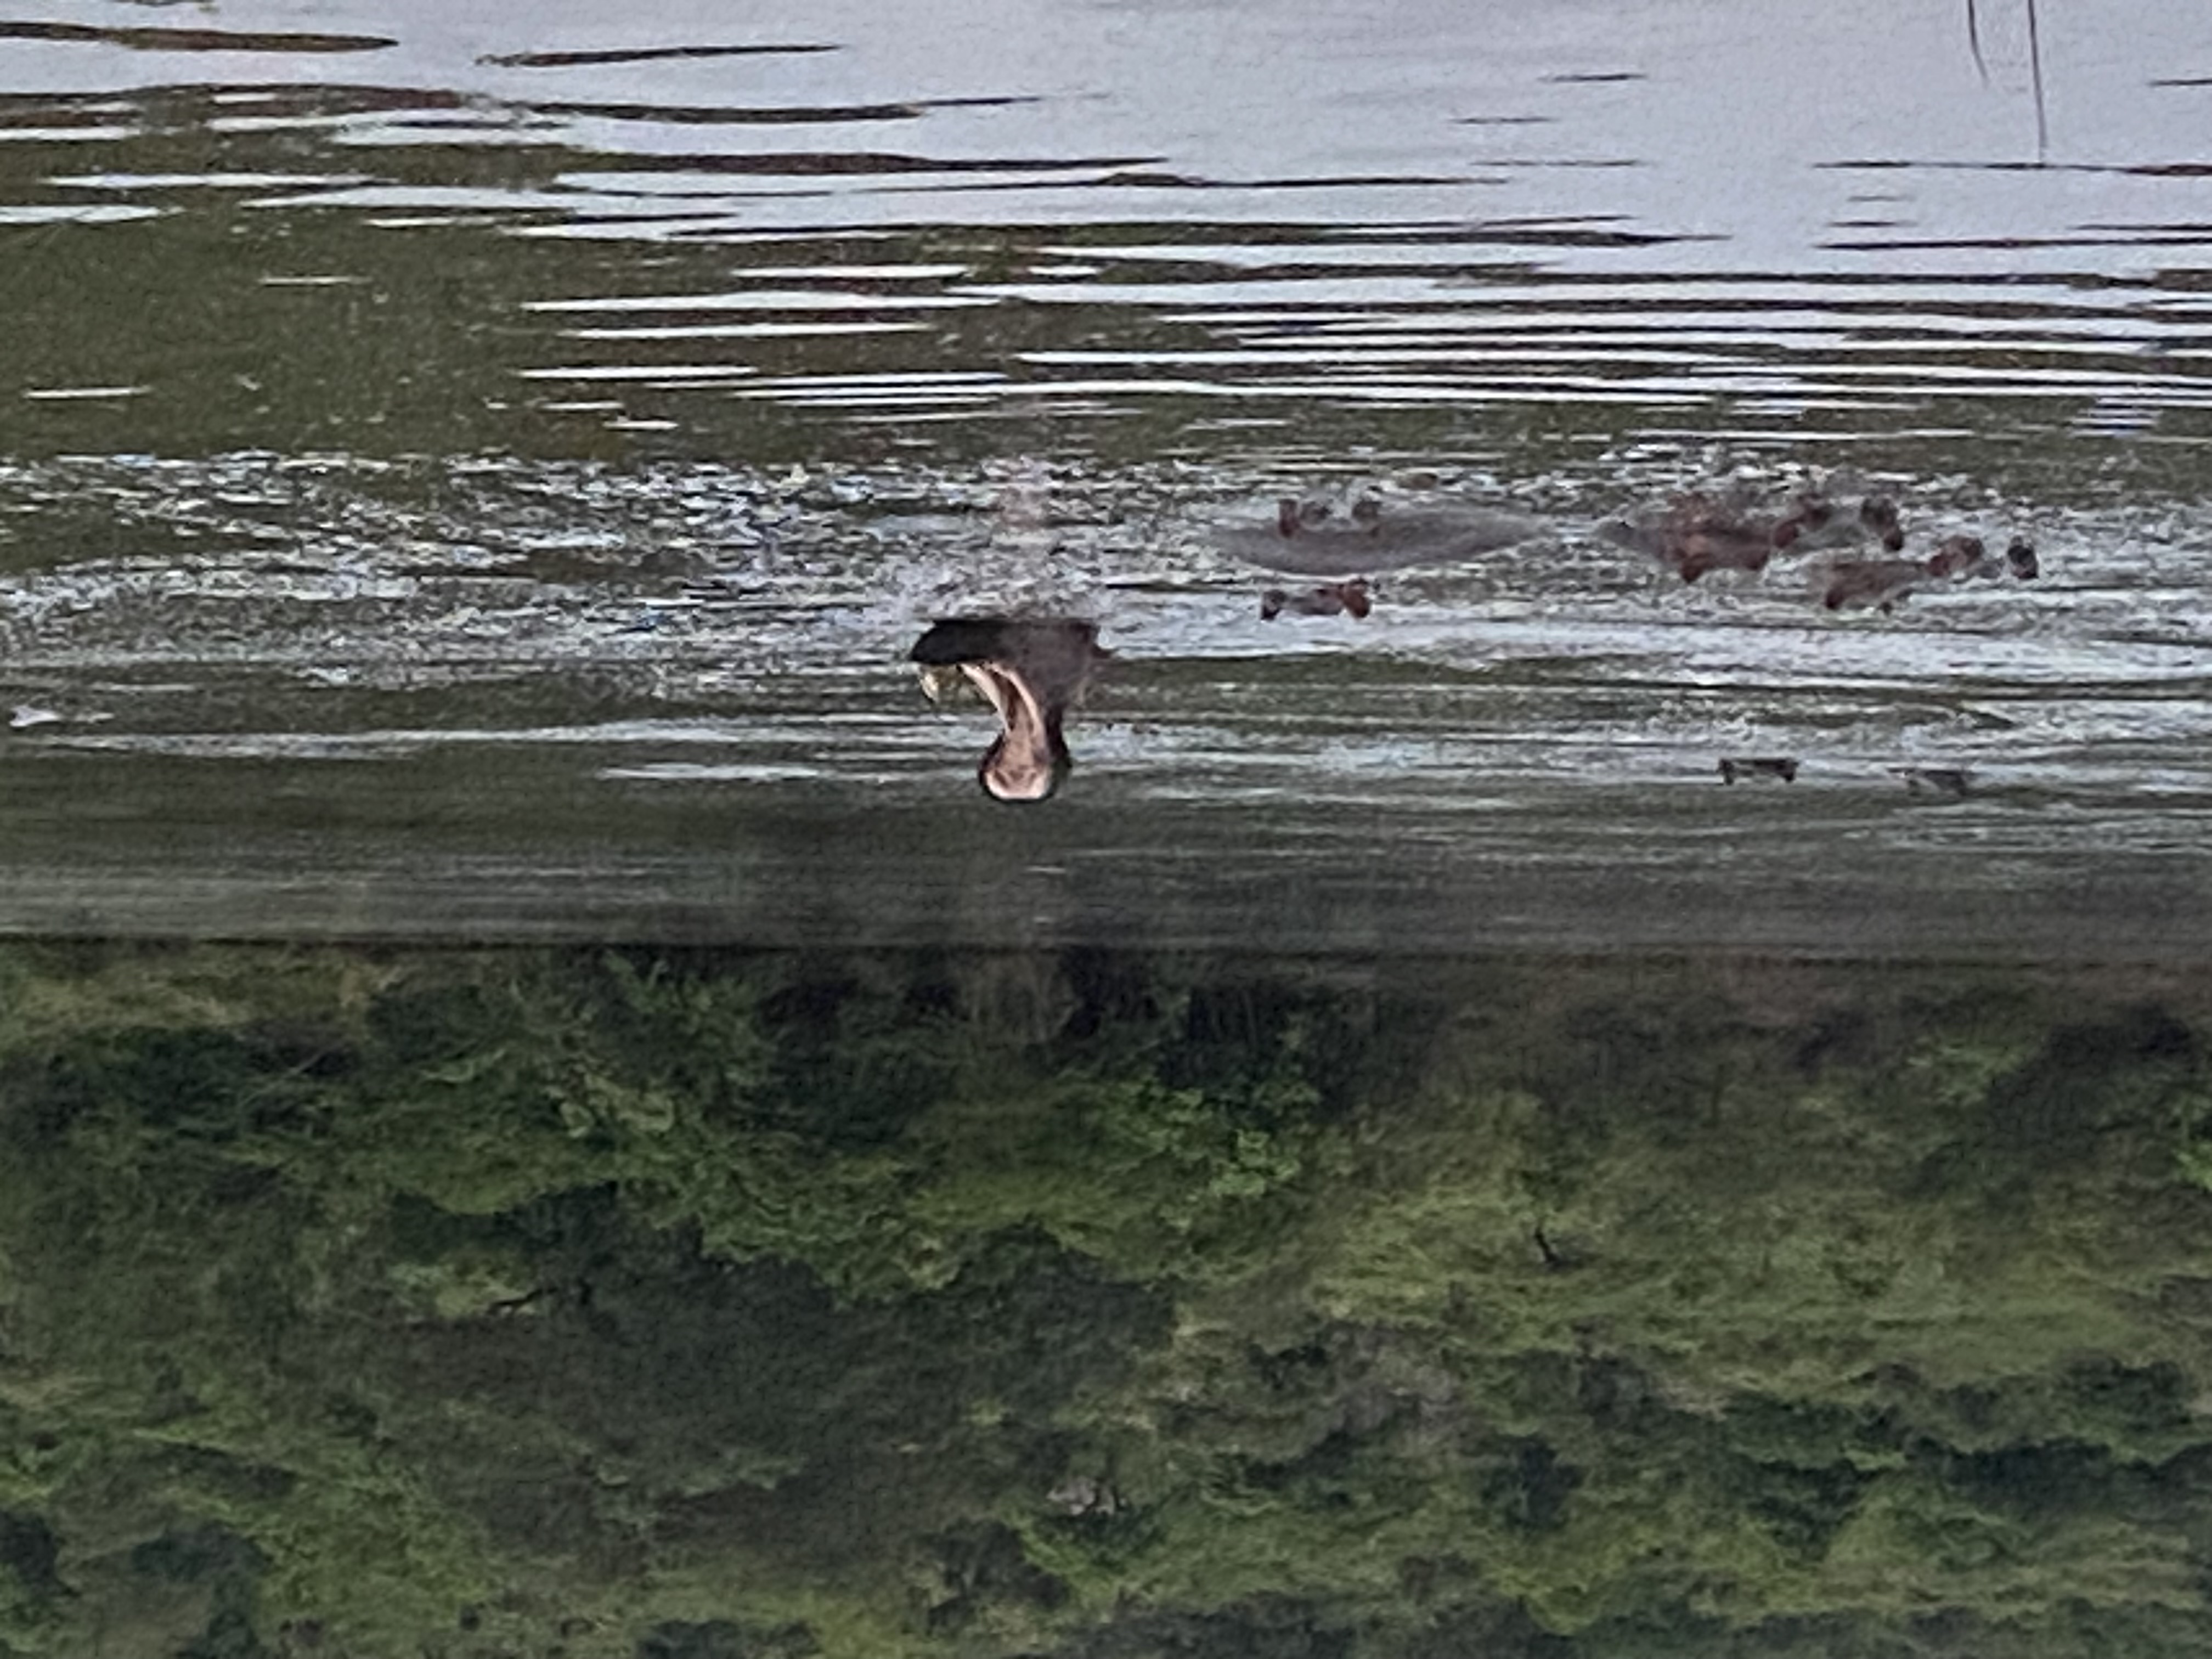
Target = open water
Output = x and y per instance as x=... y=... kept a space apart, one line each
x=479 y=470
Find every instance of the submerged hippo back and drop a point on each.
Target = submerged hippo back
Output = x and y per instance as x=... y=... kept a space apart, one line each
x=1344 y=545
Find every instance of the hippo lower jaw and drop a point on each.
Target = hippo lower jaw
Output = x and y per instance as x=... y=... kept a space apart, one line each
x=1028 y=761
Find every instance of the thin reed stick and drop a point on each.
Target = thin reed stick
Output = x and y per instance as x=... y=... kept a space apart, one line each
x=2035 y=74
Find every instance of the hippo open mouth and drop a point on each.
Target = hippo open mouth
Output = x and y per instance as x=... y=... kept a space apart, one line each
x=1028 y=760
x=1029 y=673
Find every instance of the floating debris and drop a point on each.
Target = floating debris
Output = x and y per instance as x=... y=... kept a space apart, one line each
x=2020 y=556
x=1781 y=767
x=1936 y=782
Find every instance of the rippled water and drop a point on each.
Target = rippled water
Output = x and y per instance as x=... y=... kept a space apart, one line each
x=482 y=473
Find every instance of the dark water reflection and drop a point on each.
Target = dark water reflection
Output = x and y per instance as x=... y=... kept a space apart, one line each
x=627 y=1303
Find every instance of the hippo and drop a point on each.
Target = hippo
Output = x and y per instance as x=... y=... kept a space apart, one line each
x=1320 y=535
x=1330 y=599
x=1029 y=673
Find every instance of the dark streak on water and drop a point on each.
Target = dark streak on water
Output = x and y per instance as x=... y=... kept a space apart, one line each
x=641 y=55
x=159 y=39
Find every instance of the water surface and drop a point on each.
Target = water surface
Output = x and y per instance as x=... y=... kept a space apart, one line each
x=483 y=472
